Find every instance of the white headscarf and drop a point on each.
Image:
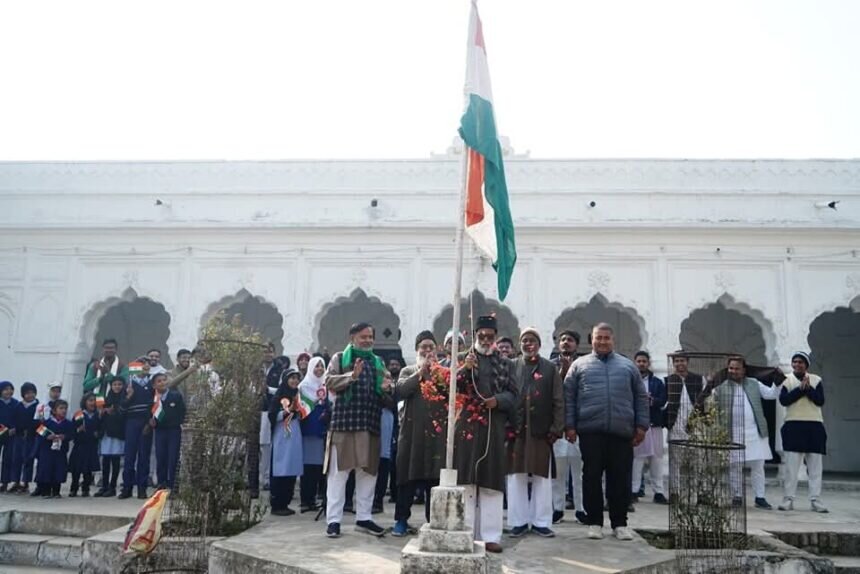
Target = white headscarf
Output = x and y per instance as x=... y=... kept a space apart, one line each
x=313 y=387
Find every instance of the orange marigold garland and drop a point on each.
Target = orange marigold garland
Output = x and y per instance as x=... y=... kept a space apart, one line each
x=435 y=392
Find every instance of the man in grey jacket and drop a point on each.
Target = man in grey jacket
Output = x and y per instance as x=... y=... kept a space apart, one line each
x=606 y=407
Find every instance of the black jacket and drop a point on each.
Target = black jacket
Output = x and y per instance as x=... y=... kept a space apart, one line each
x=174 y=410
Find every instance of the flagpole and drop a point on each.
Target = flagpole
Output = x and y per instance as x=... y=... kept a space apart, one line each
x=451 y=475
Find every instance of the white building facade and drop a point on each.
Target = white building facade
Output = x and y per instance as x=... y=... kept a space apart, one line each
x=719 y=256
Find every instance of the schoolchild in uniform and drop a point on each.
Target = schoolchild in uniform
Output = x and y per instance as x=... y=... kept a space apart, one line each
x=139 y=395
x=313 y=394
x=285 y=413
x=55 y=434
x=25 y=440
x=84 y=460
x=112 y=443
x=42 y=414
x=8 y=409
x=168 y=414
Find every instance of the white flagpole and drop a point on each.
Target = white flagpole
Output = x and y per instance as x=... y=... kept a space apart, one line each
x=455 y=339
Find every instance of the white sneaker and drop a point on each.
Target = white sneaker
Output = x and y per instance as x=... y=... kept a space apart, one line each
x=786 y=504
x=817 y=506
x=623 y=533
x=595 y=532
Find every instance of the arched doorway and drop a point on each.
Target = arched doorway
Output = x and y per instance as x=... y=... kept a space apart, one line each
x=719 y=328
x=625 y=322
x=332 y=333
x=834 y=338
x=138 y=325
x=262 y=316
x=716 y=328
x=508 y=324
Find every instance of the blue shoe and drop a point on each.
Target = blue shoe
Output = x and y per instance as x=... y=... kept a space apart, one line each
x=333 y=530
x=543 y=531
x=401 y=529
x=581 y=517
x=518 y=531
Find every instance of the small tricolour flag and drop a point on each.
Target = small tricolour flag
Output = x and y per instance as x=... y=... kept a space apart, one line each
x=488 y=212
x=79 y=416
x=135 y=368
x=306 y=405
x=158 y=409
x=4 y=430
x=44 y=431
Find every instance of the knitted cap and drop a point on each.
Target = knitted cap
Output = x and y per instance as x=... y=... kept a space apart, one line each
x=424 y=336
x=802 y=356
x=530 y=331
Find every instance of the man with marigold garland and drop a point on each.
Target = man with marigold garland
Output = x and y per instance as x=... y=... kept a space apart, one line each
x=479 y=446
x=539 y=422
x=423 y=430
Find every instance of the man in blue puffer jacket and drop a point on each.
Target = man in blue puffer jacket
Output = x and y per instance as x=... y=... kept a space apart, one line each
x=606 y=407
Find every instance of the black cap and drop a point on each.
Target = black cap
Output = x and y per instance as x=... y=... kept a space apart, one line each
x=424 y=336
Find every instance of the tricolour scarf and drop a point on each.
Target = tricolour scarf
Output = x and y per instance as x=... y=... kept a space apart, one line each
x=348 y=358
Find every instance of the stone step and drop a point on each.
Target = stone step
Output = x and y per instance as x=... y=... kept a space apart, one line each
x=16 y=569
x=65 y=524
x=845 y=564
x=41 y=550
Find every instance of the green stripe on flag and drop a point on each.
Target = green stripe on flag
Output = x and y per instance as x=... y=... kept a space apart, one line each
x=478 y=130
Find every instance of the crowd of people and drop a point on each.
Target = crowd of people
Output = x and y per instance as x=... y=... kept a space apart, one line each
x=539 y=435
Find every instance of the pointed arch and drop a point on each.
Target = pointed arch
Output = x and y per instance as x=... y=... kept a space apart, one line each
x=255 y=311
x=332 y=322
x=509 y=325
x=629 y=326
x=137 y=322
x=729 y=326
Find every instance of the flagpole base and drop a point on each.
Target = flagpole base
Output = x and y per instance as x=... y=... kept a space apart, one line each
x=448 y=477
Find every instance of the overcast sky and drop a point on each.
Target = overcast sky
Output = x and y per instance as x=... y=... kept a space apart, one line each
x=88 y=80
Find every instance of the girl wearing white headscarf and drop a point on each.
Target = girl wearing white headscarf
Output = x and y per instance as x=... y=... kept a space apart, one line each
x=314 y=396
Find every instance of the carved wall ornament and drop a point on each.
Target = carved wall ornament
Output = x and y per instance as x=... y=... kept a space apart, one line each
x=599 y=280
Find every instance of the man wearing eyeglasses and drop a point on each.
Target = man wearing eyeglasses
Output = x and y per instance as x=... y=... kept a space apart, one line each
x=479 y=453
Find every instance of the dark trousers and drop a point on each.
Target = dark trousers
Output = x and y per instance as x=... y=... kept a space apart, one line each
x=281 y=490
x=167 y=442
x=381 y=481
x=85 y=485
x=8 y=446
x=138 y=448
x=22 y=463
x=254 y=458
x=613 y=455
x=310 y=484
x=110 y=471
x=406 y=496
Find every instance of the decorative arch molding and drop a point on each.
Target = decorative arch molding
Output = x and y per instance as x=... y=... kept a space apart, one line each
x=768 y=332
x=323 y=298
x=239 y=297
x=357 y=296
x=89 y=322
x=509 y=324
x=600 y=299
x=852 y=295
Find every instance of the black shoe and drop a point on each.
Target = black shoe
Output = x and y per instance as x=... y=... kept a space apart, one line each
x=763 y=504
x=557 y=516
x=333 y=530
x=640 y=493
x=85 y=493
x=635 y=496
x=283 y=512
x=660 y=499
x=518 y=531
x=543 y=531
x=110 y=493
x=348 y=508
x=369 y=527
x=308 y=508
x=100 y=493
x=376 y=509
x=392 y=500
x=37 y=492
x=418 y=500
x=581 y=517
x=73 y=493
x=124 y=494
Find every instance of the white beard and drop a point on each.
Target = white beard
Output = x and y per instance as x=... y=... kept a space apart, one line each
x=483 y=349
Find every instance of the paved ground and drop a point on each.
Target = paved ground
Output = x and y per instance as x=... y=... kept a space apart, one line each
x=299 y=541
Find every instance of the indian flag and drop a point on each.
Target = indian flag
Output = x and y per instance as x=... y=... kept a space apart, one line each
x=44 y=431
x=306 y=405
x=158 y=409
x=135 y=369
x=488 y=213
x=79 y=416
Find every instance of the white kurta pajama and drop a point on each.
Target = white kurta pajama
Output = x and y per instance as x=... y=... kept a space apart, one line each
x=535 y=510
x=650 y=449
x=756 y=447
x=568 y=461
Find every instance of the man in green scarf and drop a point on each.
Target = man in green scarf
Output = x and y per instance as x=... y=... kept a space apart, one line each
x=356 y=379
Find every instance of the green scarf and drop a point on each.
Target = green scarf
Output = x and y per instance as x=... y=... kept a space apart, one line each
x=348 y=358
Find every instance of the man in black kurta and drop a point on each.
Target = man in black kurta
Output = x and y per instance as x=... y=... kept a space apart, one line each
x=423 y=432
x=539 y=422
x=479 y=445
